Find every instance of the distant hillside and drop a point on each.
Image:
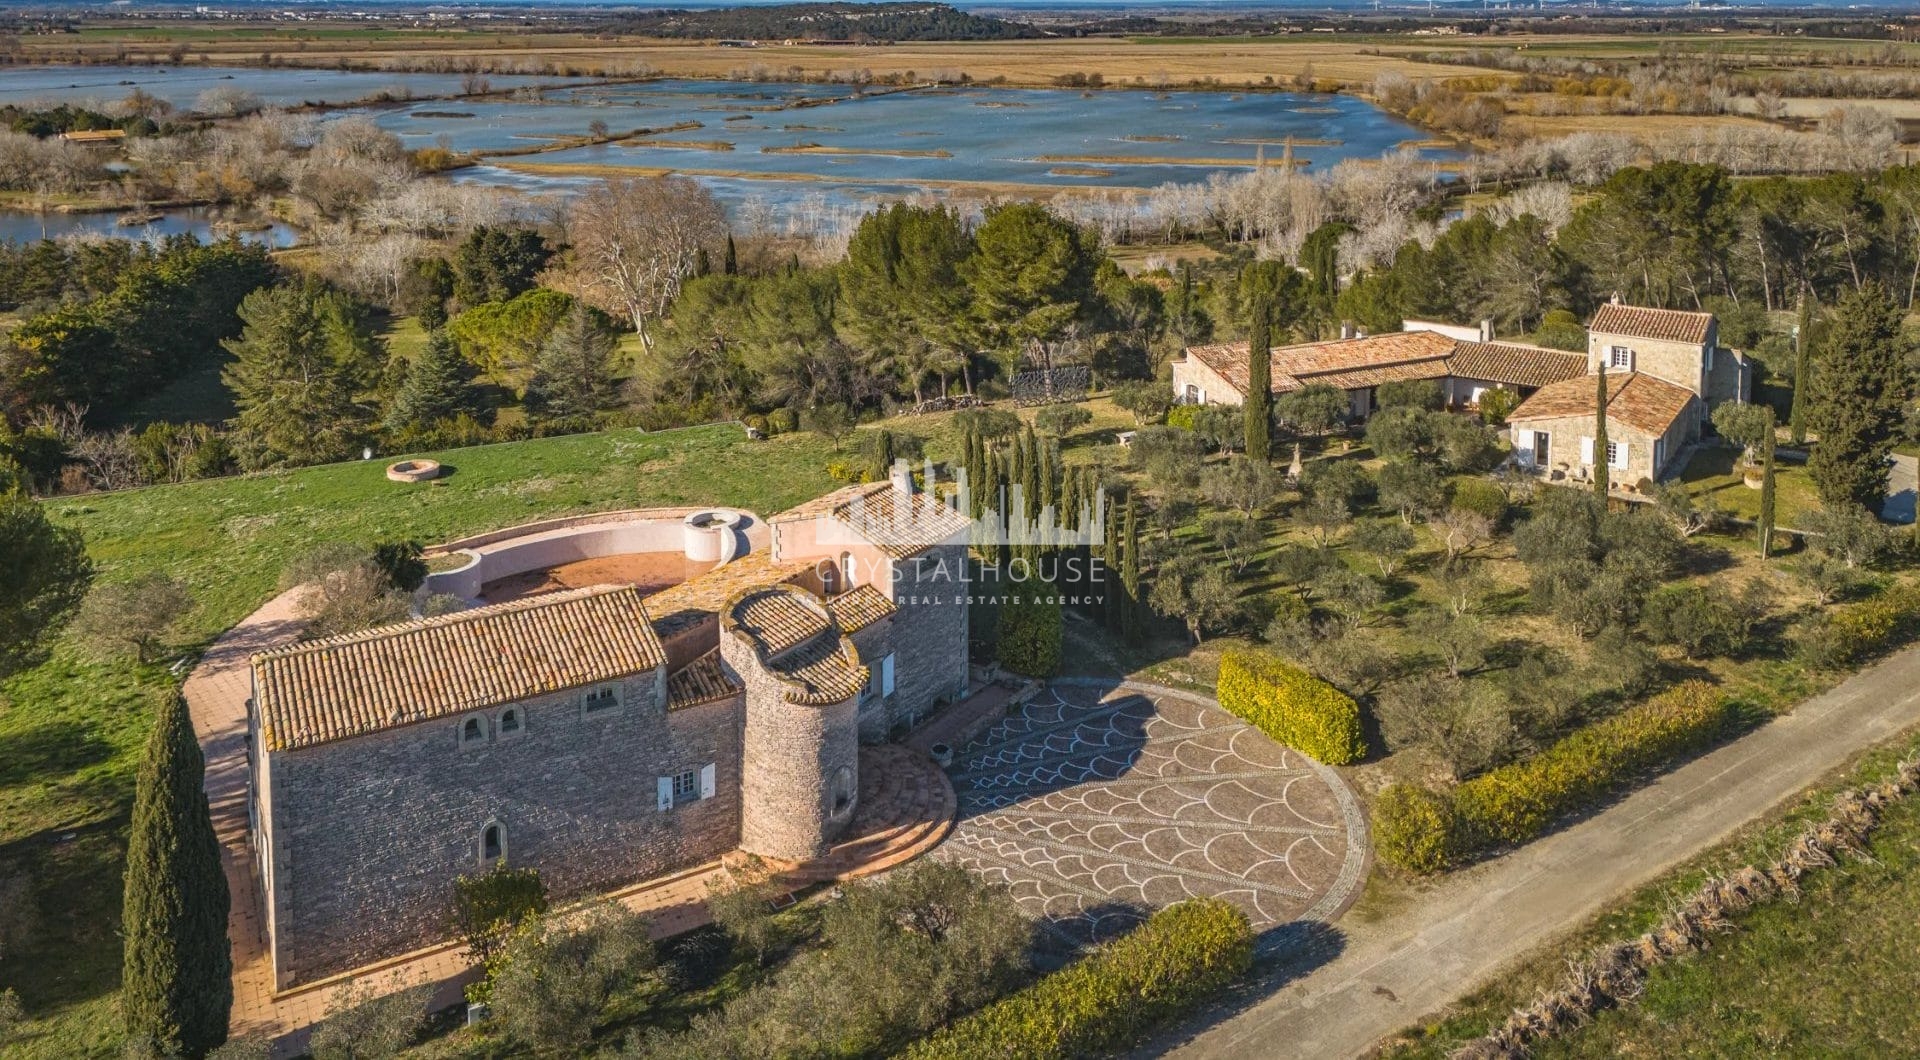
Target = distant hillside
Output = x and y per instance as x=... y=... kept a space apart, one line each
x=826 y=21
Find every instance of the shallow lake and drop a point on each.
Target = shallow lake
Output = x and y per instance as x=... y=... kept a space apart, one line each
x=797 y=148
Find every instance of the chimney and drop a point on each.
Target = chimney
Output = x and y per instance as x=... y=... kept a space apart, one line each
x=1616 y=298
x=1486 y=329
x=1346 y=329
x=902 y=478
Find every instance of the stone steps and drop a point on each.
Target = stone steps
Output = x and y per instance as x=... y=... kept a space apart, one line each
x=907 y=807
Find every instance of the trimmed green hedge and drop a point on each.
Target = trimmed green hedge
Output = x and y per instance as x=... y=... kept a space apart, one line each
x=1424 y=831
x=1027 y=639
x=1413 y=828
x=1181 y=956
x=1855 y=632
x=1292 y=706
x=1517 y=802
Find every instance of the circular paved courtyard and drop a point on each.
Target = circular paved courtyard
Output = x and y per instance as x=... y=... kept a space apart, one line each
x=1097 y=804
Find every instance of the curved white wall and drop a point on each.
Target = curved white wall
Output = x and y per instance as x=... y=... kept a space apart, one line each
x=725 y=534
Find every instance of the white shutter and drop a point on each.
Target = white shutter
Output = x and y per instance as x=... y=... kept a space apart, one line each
x=1620 y=456
x=886 y=675
x=706 y=781
x=666 y=793
x=1523 y=446
x=1586 y=450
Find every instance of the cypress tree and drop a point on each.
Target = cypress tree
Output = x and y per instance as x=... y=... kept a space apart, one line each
x=731 y=265
x=1109 y=552
x=1258 y=407
x=883 y=456
x=1030 y=475
x=177 y=975
x=1766 y=497
x=1802 y=371
x=1602 y=473
x=1130 y=576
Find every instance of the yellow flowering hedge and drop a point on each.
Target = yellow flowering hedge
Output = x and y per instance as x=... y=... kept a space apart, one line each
x=1413 y=828
x=1855 y=632
x=1292 y=706
x=1517 y=802
x=1181 y=956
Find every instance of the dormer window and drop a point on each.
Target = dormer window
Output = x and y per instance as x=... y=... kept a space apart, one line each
x=1620 y=357
x=510 y=724
x=473 y=731
x=605 y=697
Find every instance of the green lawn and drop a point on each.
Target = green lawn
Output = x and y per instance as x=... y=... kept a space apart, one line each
x=1831 y=975
x=1714 y=473
x=71 y=729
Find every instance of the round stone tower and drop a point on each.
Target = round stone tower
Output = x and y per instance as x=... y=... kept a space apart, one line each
x=800 y=765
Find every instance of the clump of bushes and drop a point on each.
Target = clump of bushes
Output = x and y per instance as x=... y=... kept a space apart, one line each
x=1292 y=706
x=1182 y=955
x=1851 y=633
x=1423 y=831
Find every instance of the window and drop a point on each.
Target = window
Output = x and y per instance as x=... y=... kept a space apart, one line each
x=1613 y=454
x=846 y=569
x=601 y=698
x=1542 y=448
x=509 y=722
x=1193 y=394
x=493 y=844
x=686 y=786
x=842 y=789
x=1620 y=357
x=473 y=731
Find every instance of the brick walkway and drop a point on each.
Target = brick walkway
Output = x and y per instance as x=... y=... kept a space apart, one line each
x=907 y=808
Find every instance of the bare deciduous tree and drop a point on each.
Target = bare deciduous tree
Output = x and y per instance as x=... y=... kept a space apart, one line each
x=636 y=242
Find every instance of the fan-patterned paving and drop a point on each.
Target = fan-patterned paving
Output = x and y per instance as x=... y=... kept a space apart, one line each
x=1096 y=805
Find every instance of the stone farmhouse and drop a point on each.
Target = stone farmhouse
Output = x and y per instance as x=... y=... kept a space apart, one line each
x=1666 y=372
x=598 y=736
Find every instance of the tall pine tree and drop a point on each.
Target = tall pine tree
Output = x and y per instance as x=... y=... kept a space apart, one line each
x=1854 y=400
x=176 y=980
x=1767 y=515
x=1259 y=404
x=438 y=386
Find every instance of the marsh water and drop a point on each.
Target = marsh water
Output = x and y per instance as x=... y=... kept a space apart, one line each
x=782 y=145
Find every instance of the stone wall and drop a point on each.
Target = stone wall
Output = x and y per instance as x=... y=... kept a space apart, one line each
x=368 y=834
x=1681 y=363
x=929 y=637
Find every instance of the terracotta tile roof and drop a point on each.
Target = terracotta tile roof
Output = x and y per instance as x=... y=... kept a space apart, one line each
x=779 y=619
x=859 y=608
x=699 y=598
x=796 y=642
x=825 y=669
x=899 y=525
x=1633 y=398
x=700 y=681
x=1361 y=378
x=1640 y=322
x=1516 y=364
x=397 y=675
x=1300 y=365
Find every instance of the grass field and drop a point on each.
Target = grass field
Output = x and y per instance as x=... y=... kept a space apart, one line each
x=1714 y=474
x=1832 y=975
x=72 y=728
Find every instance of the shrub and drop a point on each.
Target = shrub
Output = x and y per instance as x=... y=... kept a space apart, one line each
x=400 y=561
x=782 y=421
x=1413 y=828
x=1497 y=404
x=1481 y=497
x=1292 y=706
x=1183 y=417
x=555 y=979
x=1028 y=638
x=1181 y=956
x=488 y=907
x=1517 y=802
x=364 y=1025
x=1856 y=632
